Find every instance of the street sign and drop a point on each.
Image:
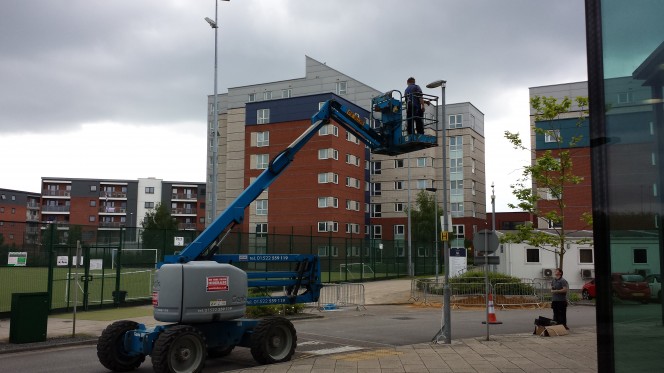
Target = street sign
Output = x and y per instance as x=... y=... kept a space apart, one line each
x=491 y=260
x=444 y=236
x=486 y=241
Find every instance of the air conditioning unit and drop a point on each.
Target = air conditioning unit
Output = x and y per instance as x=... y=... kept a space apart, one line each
x=547 y=272
x=586 y=273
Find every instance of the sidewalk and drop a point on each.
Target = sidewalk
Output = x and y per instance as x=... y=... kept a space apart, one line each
x=524 y=352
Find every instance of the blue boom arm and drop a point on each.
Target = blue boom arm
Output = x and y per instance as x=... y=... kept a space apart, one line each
x=389 y=140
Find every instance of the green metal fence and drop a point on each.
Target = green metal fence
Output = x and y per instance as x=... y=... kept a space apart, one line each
x=116 y=266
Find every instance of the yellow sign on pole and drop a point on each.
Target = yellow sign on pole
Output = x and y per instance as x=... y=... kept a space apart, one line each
x=444 y=236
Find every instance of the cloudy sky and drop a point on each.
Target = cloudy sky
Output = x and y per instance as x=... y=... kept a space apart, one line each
x=117 y=89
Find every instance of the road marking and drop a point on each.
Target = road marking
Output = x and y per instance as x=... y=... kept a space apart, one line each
x=335 y=350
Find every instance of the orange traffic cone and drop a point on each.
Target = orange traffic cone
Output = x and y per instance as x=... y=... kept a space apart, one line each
x=492 y=312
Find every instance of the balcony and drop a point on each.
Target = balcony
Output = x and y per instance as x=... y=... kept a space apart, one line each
x=112 y=210
x=32 y=217
x=55 y=209
x=56 y=193
x=120 y=195
x=183 y=211
x=33 y=206
x=111 y=224
x=187 y=226
x=184 y=196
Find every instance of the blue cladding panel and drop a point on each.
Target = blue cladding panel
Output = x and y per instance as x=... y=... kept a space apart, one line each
x=568 y=129
x=295 y=108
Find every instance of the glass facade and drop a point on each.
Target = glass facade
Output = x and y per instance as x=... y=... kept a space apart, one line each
x=626 y=74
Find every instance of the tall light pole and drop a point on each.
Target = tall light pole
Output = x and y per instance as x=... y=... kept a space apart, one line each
x=446 y=329
x=435 y=222
x=215 y=127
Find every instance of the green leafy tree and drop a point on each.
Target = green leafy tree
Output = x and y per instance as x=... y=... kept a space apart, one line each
x=159 y=227
x=551 y=173
x=423 y=217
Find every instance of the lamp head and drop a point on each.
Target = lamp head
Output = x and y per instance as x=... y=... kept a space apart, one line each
x=212 y=23
x=436 y=84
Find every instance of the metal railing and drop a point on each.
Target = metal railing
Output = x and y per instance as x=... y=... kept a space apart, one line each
x=341 y=295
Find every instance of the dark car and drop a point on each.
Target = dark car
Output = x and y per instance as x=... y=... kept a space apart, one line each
x=630 y=287
x=588 y=290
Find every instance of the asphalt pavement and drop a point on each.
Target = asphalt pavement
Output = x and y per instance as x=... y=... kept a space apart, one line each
x=517 y=352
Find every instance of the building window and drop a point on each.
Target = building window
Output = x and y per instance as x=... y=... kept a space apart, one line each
x=398 y=163
x=320 y=104
x=398 y=185
x=376 y=190
x=352 y=182
x=92 y=218
x=625 y=97
x=252 y=97
x=261 y=207
x=421 y=162
x=456 y=165
x=376 y=210
x=261 y=230
x=472 y=187
x=398 y=207
x=328 y=154
x=456 y=187
x=328 y=226
x=93 y=188
x=328 y=177
x=532 y=255
x=341 y=88
x=262 y=139
x=262 y=161
x=149 y=190
x=552 y=136
x=472 y=144
x=352 y=138
x=352 y=205
x=93 y=203
x=352 y=228
x=472 y=165
x=286 y=93
x=399 y=231
x=422 y=184
x=377 y=231
x=13 y=210
x=376 y=168
x=456 y=121
x=586 y=256
x=263 y=116
x=353 y=160
x=324 y=202
x=457 y=209
x=640 y=256
x=456 y=143
x=267 y=95
x=329 y=129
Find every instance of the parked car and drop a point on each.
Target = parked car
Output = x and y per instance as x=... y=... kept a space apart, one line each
x=655 y=284
x=630 y=287
x=588 y=290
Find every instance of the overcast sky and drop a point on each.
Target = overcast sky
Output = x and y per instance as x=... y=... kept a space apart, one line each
x=118 y=89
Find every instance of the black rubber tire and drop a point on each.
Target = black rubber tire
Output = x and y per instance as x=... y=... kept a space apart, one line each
x=586 y=295
x=219 y=352
x=273 y=340
x=110 y=348
x=179 y=349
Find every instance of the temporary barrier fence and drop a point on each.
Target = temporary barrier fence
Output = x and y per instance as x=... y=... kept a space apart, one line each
x=333 y=296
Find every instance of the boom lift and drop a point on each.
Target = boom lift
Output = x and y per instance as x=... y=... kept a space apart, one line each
x=204 y=295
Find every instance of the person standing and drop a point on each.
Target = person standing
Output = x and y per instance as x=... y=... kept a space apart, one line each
x=414 y=106
x=559 y=287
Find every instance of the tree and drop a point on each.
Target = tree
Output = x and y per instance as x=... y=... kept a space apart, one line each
x=158 y=227
x=423 y=217
x=550 y=174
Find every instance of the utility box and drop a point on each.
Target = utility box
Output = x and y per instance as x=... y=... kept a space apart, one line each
x=29 y=317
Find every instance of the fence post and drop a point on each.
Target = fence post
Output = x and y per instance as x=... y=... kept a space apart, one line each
x=118 y=270
x=49 y=285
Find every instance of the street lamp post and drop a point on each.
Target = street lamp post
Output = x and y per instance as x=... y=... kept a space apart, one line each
x=215 y=127
x=435 y=222
x=446 y=329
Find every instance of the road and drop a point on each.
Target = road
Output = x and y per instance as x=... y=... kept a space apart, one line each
x=336 y=331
